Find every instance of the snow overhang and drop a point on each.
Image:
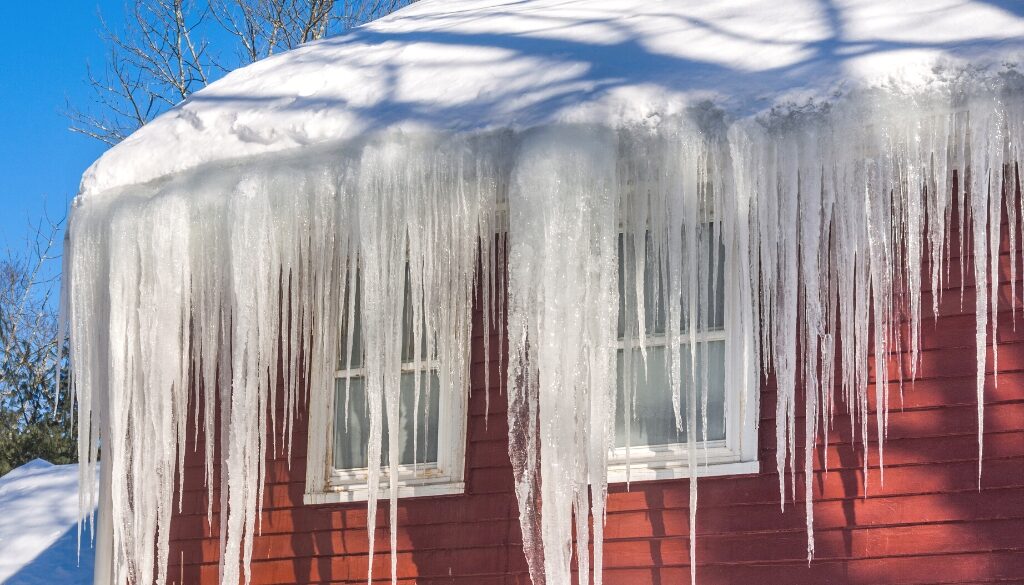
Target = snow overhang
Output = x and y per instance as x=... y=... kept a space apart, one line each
x=471 y=65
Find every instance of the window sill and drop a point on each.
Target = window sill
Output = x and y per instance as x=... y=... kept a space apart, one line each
x=652 y=471
x=341 y=495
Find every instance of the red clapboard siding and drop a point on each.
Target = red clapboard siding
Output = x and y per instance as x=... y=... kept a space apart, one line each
x=928 y=523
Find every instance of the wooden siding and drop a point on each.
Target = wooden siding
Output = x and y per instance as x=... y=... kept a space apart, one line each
x=928 y=522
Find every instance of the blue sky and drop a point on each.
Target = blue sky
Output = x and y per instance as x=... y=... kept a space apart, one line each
x=43 y=56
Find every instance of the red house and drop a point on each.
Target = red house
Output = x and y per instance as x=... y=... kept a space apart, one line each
x=929 y=522
x=529 y=269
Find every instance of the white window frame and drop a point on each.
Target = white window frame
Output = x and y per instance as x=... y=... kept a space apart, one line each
x=736 y=454
x=444 y=478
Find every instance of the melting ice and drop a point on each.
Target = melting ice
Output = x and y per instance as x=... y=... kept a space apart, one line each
x=199 y=292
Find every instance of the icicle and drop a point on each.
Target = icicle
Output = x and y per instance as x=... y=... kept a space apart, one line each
x=561 y=327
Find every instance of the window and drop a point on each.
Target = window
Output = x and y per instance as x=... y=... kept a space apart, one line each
x=647 y=440
x=432 y=431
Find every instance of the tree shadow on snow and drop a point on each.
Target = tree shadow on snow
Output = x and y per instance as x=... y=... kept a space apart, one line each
x=60 y=563
x=619 y=55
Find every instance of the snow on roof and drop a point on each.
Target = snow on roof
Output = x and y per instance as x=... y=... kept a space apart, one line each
x=468 y=65
x=38 y=527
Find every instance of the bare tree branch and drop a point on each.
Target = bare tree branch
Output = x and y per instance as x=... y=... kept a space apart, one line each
x=31 y=364
x=157 y=59
x=162 y=53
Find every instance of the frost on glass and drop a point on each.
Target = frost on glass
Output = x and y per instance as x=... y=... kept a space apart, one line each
x=222 y=294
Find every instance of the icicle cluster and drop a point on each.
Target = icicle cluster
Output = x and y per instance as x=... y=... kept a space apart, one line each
x=847 y=203
x=206 y=289
x=561 y=325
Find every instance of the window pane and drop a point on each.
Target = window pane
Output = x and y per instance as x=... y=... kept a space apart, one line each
x=653 y=419
x=655 y=310
x=408 y=333
x=350 y=445
x=654 y=301
x=354 y=328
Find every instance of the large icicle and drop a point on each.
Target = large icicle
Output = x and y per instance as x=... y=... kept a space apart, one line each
x=561 y=327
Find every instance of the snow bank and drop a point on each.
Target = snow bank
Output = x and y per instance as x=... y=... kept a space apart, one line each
x=211 y=255
x=38 y=537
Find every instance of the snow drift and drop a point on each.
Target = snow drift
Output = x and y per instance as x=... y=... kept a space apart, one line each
x=212 y=253
x=39 y=542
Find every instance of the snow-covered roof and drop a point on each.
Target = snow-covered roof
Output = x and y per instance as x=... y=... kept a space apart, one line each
x=363 y=151
x=468 y=65
x=38 y=533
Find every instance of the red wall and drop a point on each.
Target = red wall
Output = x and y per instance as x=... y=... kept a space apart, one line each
x=928 y=523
